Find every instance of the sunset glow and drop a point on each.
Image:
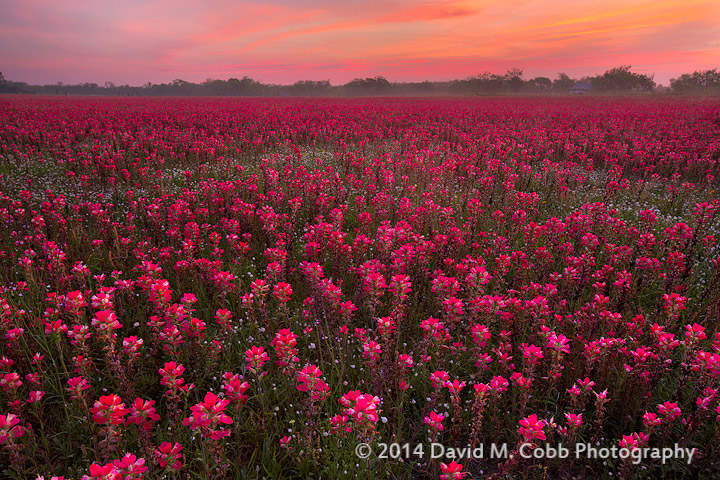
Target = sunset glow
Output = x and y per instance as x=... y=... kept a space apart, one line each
x=283 y=41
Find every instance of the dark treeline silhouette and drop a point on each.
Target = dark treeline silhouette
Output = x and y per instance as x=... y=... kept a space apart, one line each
x=616 y=80
x=704 y=81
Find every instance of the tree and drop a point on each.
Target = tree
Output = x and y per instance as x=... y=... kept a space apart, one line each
x=485 y=83
x=368 y=86
x=6 y=86
x=538 y=85
x=563 y=83
x=621 y=79
x=513 y=80
x=702 y=81
x=310 y=87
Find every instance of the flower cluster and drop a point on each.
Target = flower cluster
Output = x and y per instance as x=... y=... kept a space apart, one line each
x=480 y=269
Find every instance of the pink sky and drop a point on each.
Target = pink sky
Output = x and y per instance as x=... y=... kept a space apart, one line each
x=276 y=41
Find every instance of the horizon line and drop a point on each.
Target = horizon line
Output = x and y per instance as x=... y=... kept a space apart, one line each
x=366 y=77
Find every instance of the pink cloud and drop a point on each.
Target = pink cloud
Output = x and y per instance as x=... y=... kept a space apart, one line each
x=283 y=41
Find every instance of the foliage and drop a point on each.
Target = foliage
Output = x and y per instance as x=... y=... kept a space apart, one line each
x=616 y=80
x=249 y=288
x=621 y=79
x=703 y=81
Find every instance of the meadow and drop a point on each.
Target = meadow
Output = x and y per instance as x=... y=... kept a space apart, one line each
x=251 y=288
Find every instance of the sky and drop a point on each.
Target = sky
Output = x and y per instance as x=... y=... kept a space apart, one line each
x=274 y=41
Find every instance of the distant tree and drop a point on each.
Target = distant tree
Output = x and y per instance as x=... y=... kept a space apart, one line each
x=368 y=86
x=622 y=79
x=5 y=86
x=512 y=80
x=701 y=81
x=487 y=83
x=563 y=83
x=310 y=88
x=619 y=79
x=538 y=85
x=245 y=86
x=234 y=86
x=213 y=87
x=181 y=87
x=87 y=88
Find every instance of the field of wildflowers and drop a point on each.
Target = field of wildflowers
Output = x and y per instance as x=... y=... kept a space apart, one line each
x=219 y=288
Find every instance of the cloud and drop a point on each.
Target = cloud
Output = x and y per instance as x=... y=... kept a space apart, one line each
x=280 y=41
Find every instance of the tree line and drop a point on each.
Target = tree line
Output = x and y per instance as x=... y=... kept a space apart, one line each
x=616 y=80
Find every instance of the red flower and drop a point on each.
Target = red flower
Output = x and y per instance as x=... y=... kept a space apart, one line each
x=143 y=413
x=455 y=386
x=532 y=428
x=131 y=467
x=256 y=357
x=106 y=321
x=282 y=291
x=361 y=407
x=35 y=396
x=76 y=385
x=104 y=472
x=438 y=378
x=109 y=409
x=235 y=388
x=452 y=471
x=208 y=416
x=284 y=344
x=172 y=377
x=9 y=427
x=169 y=454
x=434 y=421
x=309 y=381
x=574 y=420
x=670 y=411
x=499 y=384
